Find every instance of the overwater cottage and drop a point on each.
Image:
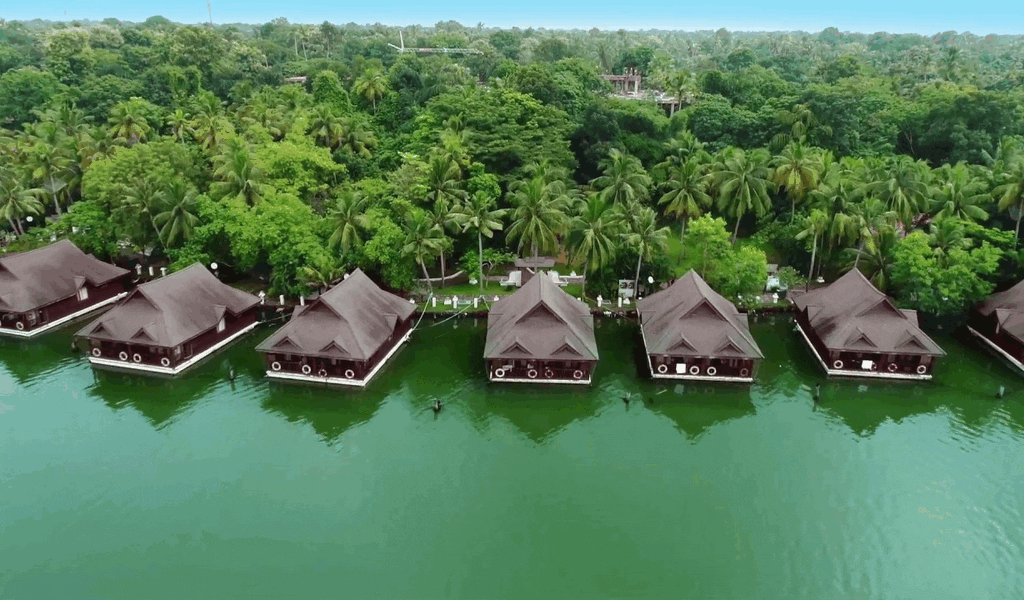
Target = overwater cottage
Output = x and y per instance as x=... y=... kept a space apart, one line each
x=344 y=337
x=691 y=332
x=999 y=323
x=170 y=324
x=45 y=288
x=540 y=334
x=855 y=330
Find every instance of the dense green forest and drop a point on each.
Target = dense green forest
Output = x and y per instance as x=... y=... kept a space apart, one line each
x=293 y=153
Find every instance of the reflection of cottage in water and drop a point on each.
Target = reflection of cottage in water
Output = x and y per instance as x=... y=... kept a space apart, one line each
x=692 y=332
x=45 y=288
x=540 y=334
x=855 y=330
x=343 y=337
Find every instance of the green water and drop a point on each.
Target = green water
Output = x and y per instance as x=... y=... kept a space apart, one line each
x=116 y=486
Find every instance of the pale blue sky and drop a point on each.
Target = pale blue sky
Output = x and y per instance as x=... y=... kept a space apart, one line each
x=866 y=16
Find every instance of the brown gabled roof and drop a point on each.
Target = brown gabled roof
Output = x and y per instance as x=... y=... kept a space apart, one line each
x=43 y=276
x=852 y=315
x=170 y=310
x=691 y=319
x=350 y=321
x=1008 y=306
x=540 y=321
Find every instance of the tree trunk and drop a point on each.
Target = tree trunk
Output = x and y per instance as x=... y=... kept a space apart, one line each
x=14 y=226
x=736 y=232
x=860 y=248
x=636 y=280
x=56 y=204
x=1016 y=232
x=480 y=255
x=442 y=268
x=814 y=252
x=430 y=286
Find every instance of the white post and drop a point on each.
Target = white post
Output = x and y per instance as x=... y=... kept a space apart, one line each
x=599 y=300
x=302 y=300
x=476 y=302
x=150 y=270
x=263 y=297
x=138 y=270
x=281 y=299
x=433 y=301
x=163 y=271
x=620 y=301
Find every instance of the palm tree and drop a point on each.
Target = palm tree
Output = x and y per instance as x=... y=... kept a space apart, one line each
x=478 y=213
x=443 y=180
x=50 y=167
x=742 y=183
x=322 y=274
x=679 y=150
x=209 y=124
x=128 y=122
x=947 y=235
x=325 y=125
x=17 y=202
x=959 y=195
x=144 y=197
x=624 y=179
x=354 y=137
x=815 y=225
x=538 y=216
x=801 y=121
x=1011 y=193
x=423 y=241
x=647 y=238
x=797 y=169
x=444 y=216
x=178 y=220
x=903 y=185
x=179 y=124
x=236 y=173
x=875 y=257
x=686 y=192
x=348 y=219
x=372 y=85
x=593 y=232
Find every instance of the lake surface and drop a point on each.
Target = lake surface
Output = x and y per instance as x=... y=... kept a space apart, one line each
x=118 y=486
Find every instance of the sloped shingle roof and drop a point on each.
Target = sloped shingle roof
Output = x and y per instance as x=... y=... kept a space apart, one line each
x=691 y=319
x=39 y=277
x=350 y=321
x=852 y=315
x=540 y=321
x=171 y=310
x=1009 y=308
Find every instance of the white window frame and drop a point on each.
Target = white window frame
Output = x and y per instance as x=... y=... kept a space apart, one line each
x=83 y=294
x=220 y=325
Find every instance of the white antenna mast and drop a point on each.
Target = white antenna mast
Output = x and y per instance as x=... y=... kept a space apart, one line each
x=209 y=10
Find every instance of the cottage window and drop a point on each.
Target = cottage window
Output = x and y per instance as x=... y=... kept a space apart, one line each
x=83 y=294
x=220 y=326
x=177 y=352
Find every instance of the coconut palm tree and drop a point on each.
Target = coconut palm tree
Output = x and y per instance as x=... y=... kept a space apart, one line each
x=686 y=192
x=323 y=273
x=594 y=232
x=348 y=219
x=422 y=241
x=445 y=217
x=800 y=121
x=17 y=201
x=1011 y=193
x=372 y=85
x=209 y=125
x=875 y=258
x=144 y=196
x=236 y=173
x=741 y=181
x=623 y=180
x=178 y=220
x=479 y=214
x=128 y=121
x=325 y=126
x=958 y=195
x=798 y=170
x=647 y=238
x=902 y=183
x=354 y=137
x=50 y=167
x=443 y=180
x=180 y=125
x=538 y=216
x=815 y=226
x=679 y=150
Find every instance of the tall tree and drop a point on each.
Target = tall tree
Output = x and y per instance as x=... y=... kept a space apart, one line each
x=348 y=221
x=902 y=183
x=51 y=167
x=445 y=217
x=372 y=85
x=443 y=180
x=178 y=220
x=236 y=173
x=128 y=121
x=422 y=241
x=647 y=239
x=479 y=214
x=815 y=225
x=593 y=234
x=17 y=202
x=686 y=192
x=958 y=195
x=623 y=180
x=741 y=182
x=1011 y=193
x=538 y=216
x=797 y=169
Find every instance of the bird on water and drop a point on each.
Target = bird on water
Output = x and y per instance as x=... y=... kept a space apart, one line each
x=437 y=406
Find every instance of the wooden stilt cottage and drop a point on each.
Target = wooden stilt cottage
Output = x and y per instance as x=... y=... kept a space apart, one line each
x=168 y=325
x=43 y=289
x=691 y=332
x=854 y=330
x=344 y=337
x=999 y=323
x=540 y=334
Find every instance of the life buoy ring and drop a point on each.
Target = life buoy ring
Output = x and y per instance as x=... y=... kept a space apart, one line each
x=499 y=372
x=921 y=369
x=838 y=364
x=892 y=367
x=306 y=369
x=322 y=372
x=19 y=325
x=123 y=355
x=663 y=368
x=350 y=374
x=744 y=372
x=275 y=366
x=548 y=373
x=532 y=373
x=165 y=361
x=712 y=370
x=577 y=374
x=694 y=370
x=96 y=352
x=137 y=357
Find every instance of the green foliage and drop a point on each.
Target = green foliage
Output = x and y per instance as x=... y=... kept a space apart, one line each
x=708 y=236
x=297 y=167
x=382 y=252
x=327 y=90
x=492 y=258
x=942 y=283
x=23 y=91
x=742 y=271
